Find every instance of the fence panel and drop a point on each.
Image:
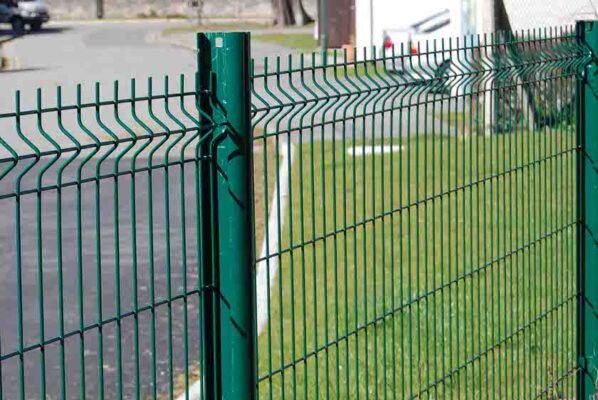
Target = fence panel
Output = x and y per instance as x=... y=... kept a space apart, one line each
x=418 y=222
x=587 y=340
x=419 y=237
x=102 y=261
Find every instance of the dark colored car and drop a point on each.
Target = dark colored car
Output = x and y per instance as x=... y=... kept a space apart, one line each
x=22 y=13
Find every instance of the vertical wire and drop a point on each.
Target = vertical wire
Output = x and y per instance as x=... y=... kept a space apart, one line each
x=279 y=236
x=133 y=206
x=354 y=211
x=18 y=245
x=168 y=241
x=345 y=218
x=199 y=223
x=150 y=239
x=98 y=233
x=40 y=257
x=79 y=229
x=442 y=213
x=478 y=129
x=183 y=220
x=90 y=155
x=392 y=232
x=19 y=266
x=63 y=388
x=290 y=223
x=169 y=149
x=335 y=223
x=434 y=207
x=530 y=170
x=409 y=269
x=324 y=109
x=314 y=234
x=302 y=233
x=267 y=240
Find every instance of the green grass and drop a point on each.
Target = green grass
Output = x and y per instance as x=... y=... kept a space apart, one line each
x=236 y=26
x=303 y=42
x=457 y=117
x=444 y=270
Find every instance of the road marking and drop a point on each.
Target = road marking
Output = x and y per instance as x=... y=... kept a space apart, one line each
x=368 y=150
x=268 y=254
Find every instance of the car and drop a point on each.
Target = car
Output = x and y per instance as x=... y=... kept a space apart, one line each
x=430 y=64
x=23 y=13
x=34 y=13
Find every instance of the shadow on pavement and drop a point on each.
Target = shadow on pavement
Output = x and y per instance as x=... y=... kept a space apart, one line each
x=6 y=32
x=17 y=70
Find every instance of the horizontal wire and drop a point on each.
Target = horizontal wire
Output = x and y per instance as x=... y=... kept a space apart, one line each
x=72 y=107
x=415 y=300
x=101 y=177
x=107 y=321
x=522 y=329
x=406 y=207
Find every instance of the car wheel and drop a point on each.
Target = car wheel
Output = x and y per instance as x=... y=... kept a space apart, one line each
x=18 y=26
x=36 y=26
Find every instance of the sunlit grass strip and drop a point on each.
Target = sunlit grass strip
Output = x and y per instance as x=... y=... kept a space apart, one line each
x=424 y=306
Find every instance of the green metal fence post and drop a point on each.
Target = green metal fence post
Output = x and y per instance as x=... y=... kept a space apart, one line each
x=231 y=111
x=209 y=321
x=587 y=274
x=100 y=9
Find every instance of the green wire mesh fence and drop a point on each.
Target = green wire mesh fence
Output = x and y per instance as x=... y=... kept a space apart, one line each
x=422 y=232
x=415 y=226
x=101 y=294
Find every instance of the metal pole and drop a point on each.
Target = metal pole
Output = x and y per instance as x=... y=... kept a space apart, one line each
x=100 y=9
x=233 y=234
x=587 y=232
x=322 y=33
x=209 y=320
x=371 y=49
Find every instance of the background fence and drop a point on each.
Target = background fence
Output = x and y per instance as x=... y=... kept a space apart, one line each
x=416 y=224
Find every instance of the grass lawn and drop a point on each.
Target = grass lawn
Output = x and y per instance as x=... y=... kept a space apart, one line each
x=215 y=27
x=303 y=42
x=444 y=270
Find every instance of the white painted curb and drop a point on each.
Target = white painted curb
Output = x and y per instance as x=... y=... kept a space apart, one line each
x=270 y=248
x=368 y=150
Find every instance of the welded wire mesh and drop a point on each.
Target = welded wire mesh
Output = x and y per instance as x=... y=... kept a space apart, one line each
x=101 y=289
x=414 y=213
x=417 y=220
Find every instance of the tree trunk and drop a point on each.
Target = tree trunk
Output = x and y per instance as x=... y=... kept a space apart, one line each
x=301 y=15
x=290 y=12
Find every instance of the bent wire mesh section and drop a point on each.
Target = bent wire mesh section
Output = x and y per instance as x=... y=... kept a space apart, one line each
x=415 y=217
x=101 y=287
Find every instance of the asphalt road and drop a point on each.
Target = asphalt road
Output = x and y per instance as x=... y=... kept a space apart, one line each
x=65 y=54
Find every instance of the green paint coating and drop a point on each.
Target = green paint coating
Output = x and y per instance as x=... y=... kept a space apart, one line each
x=588 y=209
x=460 y=265
x=231 y=110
